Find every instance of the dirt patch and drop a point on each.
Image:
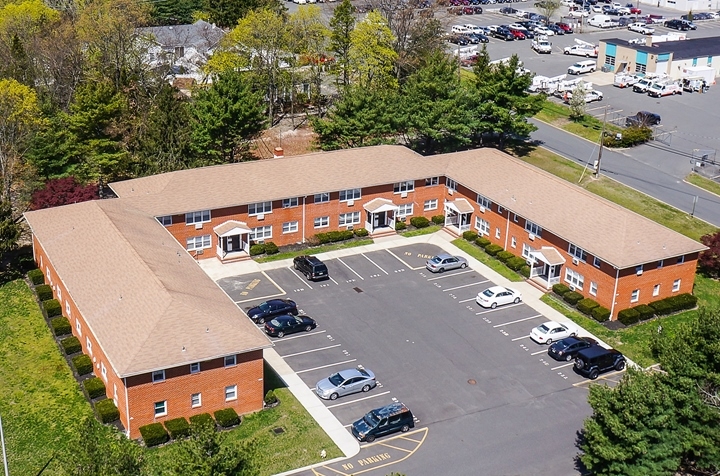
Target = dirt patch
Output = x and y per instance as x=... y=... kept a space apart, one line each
x=293 y=134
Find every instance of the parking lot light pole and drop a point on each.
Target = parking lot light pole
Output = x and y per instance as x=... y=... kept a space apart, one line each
x=596 y=174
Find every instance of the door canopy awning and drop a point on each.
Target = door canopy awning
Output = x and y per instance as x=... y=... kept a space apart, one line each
x=548 y=255
x=231 y=228
x=460 y=205
x=379 y=205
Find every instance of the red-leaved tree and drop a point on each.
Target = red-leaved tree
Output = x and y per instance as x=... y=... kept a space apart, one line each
x=63 y=191
x=709 y=260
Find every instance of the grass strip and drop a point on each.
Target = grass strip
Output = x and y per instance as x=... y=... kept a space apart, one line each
x=314 y=250
x=588 y=127
x=428 y=230
x=704 y=183
x=487 y=260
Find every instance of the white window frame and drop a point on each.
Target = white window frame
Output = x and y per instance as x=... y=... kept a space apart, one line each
x=527 y=249
x=497 y=233
x=430 y=181
x=259 y=208
x=165 y=220
x=404 y=187
x=596 y=261
x=158 y=376
x=450 y=184
x=195 y=367
x=202 y=242
x=661 y=263
x=656 y=290
x=577 y=252
x=680 y=260
x=201 y=216
x=88 y=345
x=59 y=293
x=482 y=226
x=515 y=218
x=635 y=295
x=513 y=242
x=78 y=327
x=533 y=228
x=404 y=210
x=593 y=288
x=500 y=209
x=261 y=233
x=230 y=360
x=193 y=398
x=431 y=204
x=160 y=408
x=484 y=202
x=321 y=222
x=230 y=393
x=350 y=194
x=350 y=218
x=67 y=308
x=290 y=202
x=103 y=371
x=574 y=278
x=290 y=227
x=321 y=197
x=676 y=285
x=639 y=269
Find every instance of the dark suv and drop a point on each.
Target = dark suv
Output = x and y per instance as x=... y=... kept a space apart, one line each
x=677 y=25
x=311 y=267
x=643 y=119
x=590 y=362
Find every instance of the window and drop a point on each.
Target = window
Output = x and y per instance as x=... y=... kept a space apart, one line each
x=289 y=203
x=195 y=368
x=515 y=217
x=59 y=293
x=349 y=218
x=196 y=400
x=197 y=217
x=482 y=226
x=500 y=210
x=593 y=288
x=640 y=68
x=166 y=220
x=577 y=252
x=513 y=242
x=430 y=204
x=78 y=327
x=161 y=408
x=610 y=60
x=231 y=392
x=322 y=222
x=321 y=198
x=261 y=233
x=67 y=308
x=352 y=194
x=259 y=208
x=574 y=278
x=407 y=186
x=88 y=344
x=484 y=201
x=639 y=269
x=230 y=360
x=497 y=233
x=527 y=250
x=656 y=290
x=635 y=296
x=198 y=242
x=596 y=262
x=533 y=228
x=158 y=376
x=450 y=183
x=290 y=227
x=680 y=260
x=405 y=209
x=103 y=371
x=661 y=263
x=676 y=285
x=432 y=181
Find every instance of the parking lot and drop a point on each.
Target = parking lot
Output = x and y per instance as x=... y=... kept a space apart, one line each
x=465 y=372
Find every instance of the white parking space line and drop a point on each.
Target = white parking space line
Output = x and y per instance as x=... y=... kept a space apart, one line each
x=348 y=425
x=539 y=351
x=520 y=338
x=348 y=267
x=563 y=365
x=499 y=308
x=358 y=400
x=465 y=286
x=306 y=334
x=325 y=366
x=331 y=279
x=468 y=300
x=403 y=262
x=451 y=275
x=310 y=351
x=519 y=320
x=298 y=276
x=373 y=262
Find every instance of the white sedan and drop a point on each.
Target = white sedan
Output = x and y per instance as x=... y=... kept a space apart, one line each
x=552 y=331
x=497 y=296
x=542 y=30
x=641 y=28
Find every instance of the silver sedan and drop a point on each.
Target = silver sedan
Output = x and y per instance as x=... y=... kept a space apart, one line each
x=345 y=382
x=445 y=262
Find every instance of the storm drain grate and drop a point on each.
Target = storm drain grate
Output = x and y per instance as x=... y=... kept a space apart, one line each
x=278 y=430
x=357 y=290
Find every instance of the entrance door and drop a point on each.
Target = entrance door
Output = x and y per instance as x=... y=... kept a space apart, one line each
x=229 y=244
x=376 y=220
x=465 y=221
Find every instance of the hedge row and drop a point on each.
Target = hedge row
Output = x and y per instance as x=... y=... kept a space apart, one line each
x=94 y=387
x=438 y=219
x=630 y=137
x=585 y=305
x=71 y=345
x=36 y=276
x=177 y=427
x=107 y=411
x=663 y=307
x=420 y=222
x=83 y=364
x=269 y=248
x=227 y=417
x=44 y=292
x=154 y=434
x=52 y=308
x=60 y=326
x=334 y=236
x=515 y=263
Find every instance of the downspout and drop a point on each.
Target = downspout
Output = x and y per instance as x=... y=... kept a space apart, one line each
x=303 y=219
x=127 y=406
x=507 y=229
x=612 y=308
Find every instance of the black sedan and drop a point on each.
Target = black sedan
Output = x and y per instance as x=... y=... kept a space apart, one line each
x=567 y=348
x=282 y=325
x=503 y=34
x=269 y=309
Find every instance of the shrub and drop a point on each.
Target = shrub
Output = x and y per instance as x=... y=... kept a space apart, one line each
x=44 y=292
x=60 y=326
x=482 y=242
x=36 y=277
x=201 y=418
x=601 y=314
x=52 y=308
x=257 y=249
x=346 y=234
x=94 y=387
x=517 y=263
x=107 y=411
x=682 y=302
x=270 y=398
x=560 y=289
x=335 y=236
x=504 y=256
x=630 y=137
x=493 y=249
x=361 y=232
x=154 y=434
x=645 y=312
x=399 y=226
x=438 y=219
x=83 y=364
x=628 y=316
x=178 y=428
x=586 y=306
x=271 y=248
x=419 y=222
x=525 y=271
x=661 y=307
x=71 y=345
x=572 y=298
x=227 y=417
x=323 y=238
x=470 y=235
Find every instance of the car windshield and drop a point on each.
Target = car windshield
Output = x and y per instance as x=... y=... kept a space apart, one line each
x=488 y=293
x=364 y=372
x=543 y=329
x=264 y=306
x=335 y=379
x=371 y=419
x=436 y=259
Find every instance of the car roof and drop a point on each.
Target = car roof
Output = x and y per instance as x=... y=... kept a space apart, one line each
x=390 y=410
x=350 y=373
x=595 y=351
x=497 y=289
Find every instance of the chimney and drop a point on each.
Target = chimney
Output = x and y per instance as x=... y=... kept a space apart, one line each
x=278 y=153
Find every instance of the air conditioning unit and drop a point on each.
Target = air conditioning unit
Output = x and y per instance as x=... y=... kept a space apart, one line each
x=403 y=195
x=575 y=261
x=261 y=216
x=402 y=219
x=639 y=272
x=349 y=227
x=199 y=252
x=450 y=191
x=572 y=288
x=482 y=209
x=198 y=226
x=351 y=203
x=531 y=237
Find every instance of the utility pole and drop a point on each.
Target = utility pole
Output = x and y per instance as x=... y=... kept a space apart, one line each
x=602 y=137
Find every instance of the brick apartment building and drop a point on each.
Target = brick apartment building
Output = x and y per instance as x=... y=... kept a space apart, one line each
x=125 y=268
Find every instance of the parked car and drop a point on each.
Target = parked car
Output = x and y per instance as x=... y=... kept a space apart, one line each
x=641 y=28
x=635 y=11
x=662 y=89
x=497 y=296
x=565 y=27
x=459 y=29
x=566 y=349
x=460 y=40
x=503 y=34
x=382 y=421
x=624 y=80
x=541 y=45
x=676 y=25
x=643 y=85
x=271 y=308
x=280 y=326
x=578 y=13
x=556 y=29
x=552 y=331
x=643 y=118
x=311 y=267
x=480 y=37
x=581 y=50
x=592 y=361
x=508 y=10
x=590 y=96
x=582 y=67
x=543 y=30
x=345 y=382
x=444 y=262
x=519 y=35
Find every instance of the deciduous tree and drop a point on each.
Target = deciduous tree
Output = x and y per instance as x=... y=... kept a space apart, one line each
x=62 y=191
x=372 y=57
x=577 y=101
x=309 y=39
x=709 y=259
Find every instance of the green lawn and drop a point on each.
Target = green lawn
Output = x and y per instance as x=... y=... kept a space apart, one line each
x=487 y=260
x=702 y=182
x=421 y=231
x=40 y=401
x=588 y=127
x=314 y=250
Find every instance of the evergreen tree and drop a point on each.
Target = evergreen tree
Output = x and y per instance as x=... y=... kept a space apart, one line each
x=342 y=25
x=9 y=229
x=175 y=12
